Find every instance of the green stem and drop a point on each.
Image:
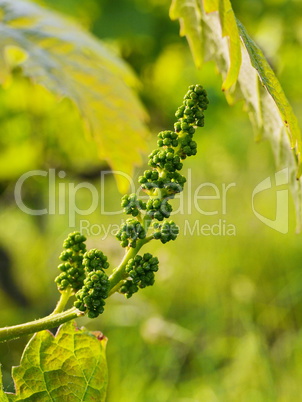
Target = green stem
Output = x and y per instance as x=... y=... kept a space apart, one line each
x=65 y=295
x=115 y=288
x=119 y=273
x=49 y=322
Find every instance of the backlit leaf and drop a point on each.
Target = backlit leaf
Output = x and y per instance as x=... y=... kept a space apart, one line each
x=246 y=76
x=68 y=367
x=230 y=30
x=271 y=83
x=58 y=54
x=189 y=16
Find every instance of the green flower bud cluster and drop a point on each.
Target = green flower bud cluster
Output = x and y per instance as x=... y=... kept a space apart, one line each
x=174 y=183
x=130 y=232
x=166 y=231
x=165 y=159
x=83 y=272
x=141 y=273
x=190 y=115
x=171 y=182
x=95 y=259
x=151 y=180
x=191 y=111
x=91 y=297
x=167 y=138
x=164 y=181
x=132 y=205
x=72 y=269
x=177 y=145
x=188 y=147
x=158 y=208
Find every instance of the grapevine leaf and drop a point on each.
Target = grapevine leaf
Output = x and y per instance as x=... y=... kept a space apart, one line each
x=230 y=29
x=3 y=396
x=271 y=83
x=70 y=366
x=58 y=54
x=267 y=106
x=189 y=16
x=211 y=5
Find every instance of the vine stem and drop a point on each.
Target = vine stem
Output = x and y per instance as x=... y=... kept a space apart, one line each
x=48 y=322
x=118 y=275
x=58 y=316
x=65 y=295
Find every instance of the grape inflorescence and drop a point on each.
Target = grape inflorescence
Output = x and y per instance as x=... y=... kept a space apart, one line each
x=83 y=272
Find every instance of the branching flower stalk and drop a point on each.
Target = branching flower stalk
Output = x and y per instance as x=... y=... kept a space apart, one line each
x=83 y=273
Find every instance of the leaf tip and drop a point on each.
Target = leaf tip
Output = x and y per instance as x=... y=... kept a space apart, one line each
x=99 y=336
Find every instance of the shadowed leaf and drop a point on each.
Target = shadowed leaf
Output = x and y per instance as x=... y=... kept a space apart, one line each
x=3 y=396
x=247 y=76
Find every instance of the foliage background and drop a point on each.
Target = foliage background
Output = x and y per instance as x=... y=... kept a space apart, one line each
x=223 y=322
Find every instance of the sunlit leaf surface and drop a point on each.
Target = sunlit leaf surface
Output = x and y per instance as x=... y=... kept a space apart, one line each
x=59 y=55
x=68 y=367
x=246 y=76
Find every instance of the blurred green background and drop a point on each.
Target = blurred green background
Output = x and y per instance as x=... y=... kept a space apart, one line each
x=223 y=321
